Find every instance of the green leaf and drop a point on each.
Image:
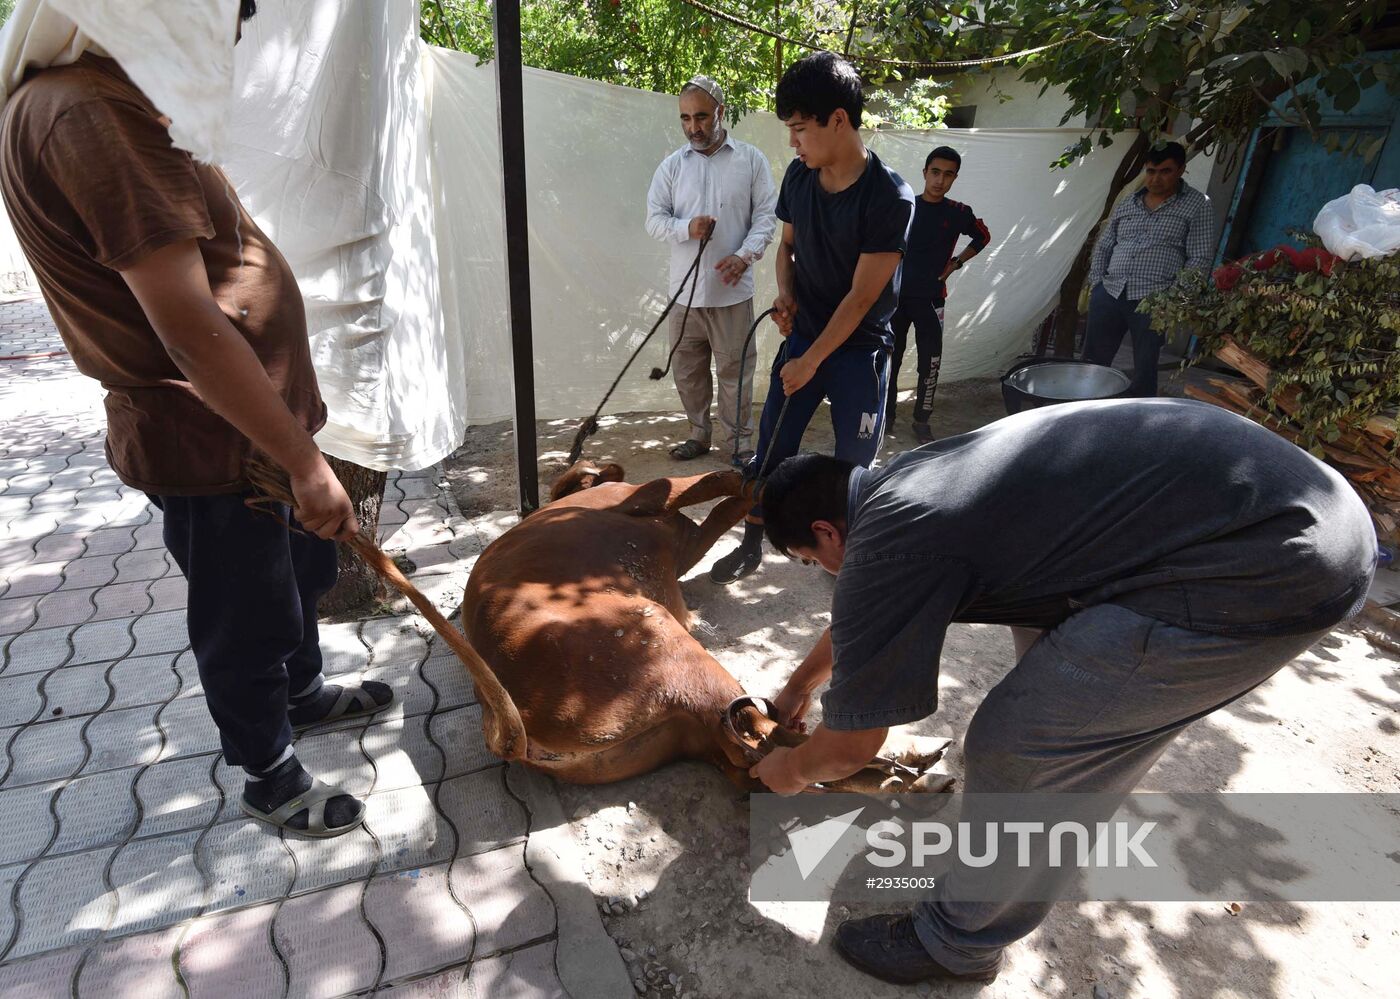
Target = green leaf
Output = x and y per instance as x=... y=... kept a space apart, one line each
x=1280 y=64
x=1302 y=31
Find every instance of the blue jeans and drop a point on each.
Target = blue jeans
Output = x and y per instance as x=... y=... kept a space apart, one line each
x=1088 y=709
x=251 y=614
x=1109 y=319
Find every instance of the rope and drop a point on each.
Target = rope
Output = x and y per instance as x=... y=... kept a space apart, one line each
x=589 y=427
x=739 y=408
x=950 y=64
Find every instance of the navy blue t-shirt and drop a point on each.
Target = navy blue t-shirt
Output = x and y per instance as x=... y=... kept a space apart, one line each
x=831 y=231
x=935 y=231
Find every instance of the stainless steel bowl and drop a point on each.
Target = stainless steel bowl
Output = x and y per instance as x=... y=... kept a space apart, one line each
x=1065 y=381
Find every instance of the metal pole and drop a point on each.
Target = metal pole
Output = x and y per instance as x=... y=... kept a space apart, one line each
x=510 y=115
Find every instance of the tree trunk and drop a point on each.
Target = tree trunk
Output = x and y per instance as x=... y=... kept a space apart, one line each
x=1067 y=312
x=358 y=586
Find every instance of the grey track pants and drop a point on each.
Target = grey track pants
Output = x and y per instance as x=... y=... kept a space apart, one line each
x=1089 y=708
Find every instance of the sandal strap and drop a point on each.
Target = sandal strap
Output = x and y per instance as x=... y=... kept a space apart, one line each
x=312 y=801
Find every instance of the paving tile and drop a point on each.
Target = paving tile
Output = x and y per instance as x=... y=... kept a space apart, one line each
x=454 y=684
x=13 y=505
x=143 y=680
x=393 y=641
x=55 y=499
x=341 y=648
x=87 y=572
x=102 y=641
x=148 y=535
x=423 y=928
x=36 y=651
x=122 y=600
x=410 y=831
x=188 y=728
x=163 y=632
x=483 y=813
x=321 y=863
x=124 y=738
x=157 y=883
x=141 y=966
x=459 y=734
x=62 y=902
x=95 y=811
x=104 y=541
x=46 y=977
x=231 y=954
x=335 y=757
x=48 y=750
x=77 y=690
x=27 y=483
x=28 y=824
x=8 y=877
x=402 y=753
x=34 y=579
x=63 y=607
x=245 y=863
x=167 y=594
x=149 y=563
x=17 y=614
x=528 y=973
x=507 y=904
x=188 y=670
x=450 y=984
x=328 y=949
x=176 y=795
x=20 y=700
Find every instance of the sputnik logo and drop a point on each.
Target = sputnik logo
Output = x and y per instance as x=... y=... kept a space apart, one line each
x=811 y=845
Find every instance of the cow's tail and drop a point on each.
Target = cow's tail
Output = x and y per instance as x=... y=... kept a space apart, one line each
x=505 y=732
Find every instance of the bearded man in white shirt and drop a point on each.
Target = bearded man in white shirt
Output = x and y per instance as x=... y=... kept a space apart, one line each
x=714 y=180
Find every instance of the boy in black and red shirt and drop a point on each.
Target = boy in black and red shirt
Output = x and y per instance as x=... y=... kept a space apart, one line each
x=938 y=222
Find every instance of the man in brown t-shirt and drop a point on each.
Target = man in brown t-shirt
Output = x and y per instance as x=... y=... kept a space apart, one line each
x=165 y=290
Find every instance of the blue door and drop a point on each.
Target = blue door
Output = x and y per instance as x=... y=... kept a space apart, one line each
x=1301 y=175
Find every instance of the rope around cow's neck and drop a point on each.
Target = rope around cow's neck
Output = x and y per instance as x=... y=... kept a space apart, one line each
x=589 y=427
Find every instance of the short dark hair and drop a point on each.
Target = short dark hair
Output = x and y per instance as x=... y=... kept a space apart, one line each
x=944 y=153
x=816 y=85
x=801 y=490
x=1167 y=151
x=246 y=9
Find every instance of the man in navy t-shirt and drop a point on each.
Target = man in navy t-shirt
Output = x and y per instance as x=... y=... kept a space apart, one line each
x=938 y=222
x=845 y=222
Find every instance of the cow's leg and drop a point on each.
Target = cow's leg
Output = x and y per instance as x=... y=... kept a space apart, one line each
x=668 y=495
x=702 y=538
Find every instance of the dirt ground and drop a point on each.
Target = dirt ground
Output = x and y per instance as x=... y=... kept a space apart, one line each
x=666 y=852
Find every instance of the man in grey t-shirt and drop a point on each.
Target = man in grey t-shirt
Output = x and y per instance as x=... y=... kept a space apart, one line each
x=1142 y=600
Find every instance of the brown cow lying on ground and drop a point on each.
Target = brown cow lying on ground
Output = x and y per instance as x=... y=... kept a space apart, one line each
x=579 y=613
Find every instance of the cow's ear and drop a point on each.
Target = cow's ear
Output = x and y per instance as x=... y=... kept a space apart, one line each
x=610 y=473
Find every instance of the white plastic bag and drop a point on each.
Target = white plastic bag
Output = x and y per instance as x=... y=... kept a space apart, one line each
x=1364 y=223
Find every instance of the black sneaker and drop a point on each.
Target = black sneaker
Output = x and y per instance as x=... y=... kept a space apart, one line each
x=736 y=565
x=887 y=947
x=923 y=433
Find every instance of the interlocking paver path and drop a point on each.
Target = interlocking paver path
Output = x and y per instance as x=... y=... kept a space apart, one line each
x=126 y=867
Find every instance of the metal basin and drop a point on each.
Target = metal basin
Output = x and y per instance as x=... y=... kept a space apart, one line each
x=1044 y=383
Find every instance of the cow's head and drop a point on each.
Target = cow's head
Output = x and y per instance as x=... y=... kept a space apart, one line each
x=583 y=475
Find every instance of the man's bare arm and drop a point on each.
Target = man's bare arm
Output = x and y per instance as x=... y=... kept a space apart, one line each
x=173 y=290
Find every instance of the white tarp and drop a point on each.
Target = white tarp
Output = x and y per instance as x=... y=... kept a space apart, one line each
x=598 y=280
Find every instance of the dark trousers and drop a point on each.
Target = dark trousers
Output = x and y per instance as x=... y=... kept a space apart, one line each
x=854 y=380
x=926 y=316
x=253 y=587
x=1109 y=319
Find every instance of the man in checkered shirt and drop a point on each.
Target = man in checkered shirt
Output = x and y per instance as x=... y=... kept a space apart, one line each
x=1162 y=229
